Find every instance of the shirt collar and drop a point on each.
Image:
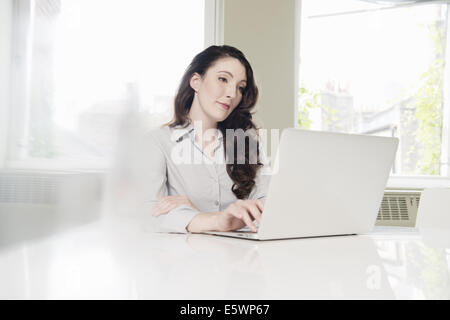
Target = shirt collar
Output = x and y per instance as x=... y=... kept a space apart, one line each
x=179 y=133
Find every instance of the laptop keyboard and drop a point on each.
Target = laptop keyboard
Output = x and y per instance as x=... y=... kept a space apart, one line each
x=247 y=229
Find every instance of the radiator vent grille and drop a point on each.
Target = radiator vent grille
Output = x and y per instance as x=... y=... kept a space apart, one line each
x=47 y=188
x=398 y=209
x=25 y=188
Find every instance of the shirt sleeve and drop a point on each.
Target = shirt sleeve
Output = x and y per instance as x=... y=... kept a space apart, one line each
x=154 y=187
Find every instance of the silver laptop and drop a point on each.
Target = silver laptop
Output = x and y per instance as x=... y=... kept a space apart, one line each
x=324 y=184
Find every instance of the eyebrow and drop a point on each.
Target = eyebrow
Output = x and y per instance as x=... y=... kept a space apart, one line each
x=232 y=75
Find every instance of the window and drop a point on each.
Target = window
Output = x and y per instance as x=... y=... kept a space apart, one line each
x=379 y=69
x=81 y=67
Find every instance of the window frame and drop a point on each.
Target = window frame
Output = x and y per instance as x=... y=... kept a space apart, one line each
x=6 y=12
x=214 y=22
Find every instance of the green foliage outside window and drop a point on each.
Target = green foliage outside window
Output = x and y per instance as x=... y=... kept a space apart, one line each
x=308 y=100
x=429 y=108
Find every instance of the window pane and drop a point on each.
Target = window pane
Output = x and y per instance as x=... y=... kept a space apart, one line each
x=371 y=69
x=91 y=63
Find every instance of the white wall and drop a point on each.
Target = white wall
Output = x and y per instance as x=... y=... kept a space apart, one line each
x=5 y=64
x=266 y=32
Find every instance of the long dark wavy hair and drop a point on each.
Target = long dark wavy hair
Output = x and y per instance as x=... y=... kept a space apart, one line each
x=241 y=171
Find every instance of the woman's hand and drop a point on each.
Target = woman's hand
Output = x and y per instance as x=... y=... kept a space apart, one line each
x=171 y=202
x=239 y=214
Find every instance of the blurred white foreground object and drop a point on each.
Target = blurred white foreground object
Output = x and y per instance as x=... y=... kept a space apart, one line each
x=433 y=216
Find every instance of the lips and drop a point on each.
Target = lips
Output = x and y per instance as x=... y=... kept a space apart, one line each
x=223 y=105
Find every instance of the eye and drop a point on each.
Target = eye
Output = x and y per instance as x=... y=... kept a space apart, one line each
x=223 y=79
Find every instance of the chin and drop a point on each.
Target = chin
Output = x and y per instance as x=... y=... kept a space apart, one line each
x=219 y=117
x=222 y=118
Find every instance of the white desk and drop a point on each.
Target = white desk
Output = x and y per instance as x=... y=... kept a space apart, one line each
x=117 y=259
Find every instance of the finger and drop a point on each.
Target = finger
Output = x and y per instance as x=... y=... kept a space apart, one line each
x=164 y=204
x=169 y=199
x=253 y=210
x=162 y=207
x=172 y=204
x=164 y=199
x=170 y=207
x=180 y=200
x=260 y=205
x=248 y=221
x=234 y=211
x=157 y=211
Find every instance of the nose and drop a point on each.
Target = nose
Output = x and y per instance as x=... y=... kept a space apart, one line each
x=231 y=92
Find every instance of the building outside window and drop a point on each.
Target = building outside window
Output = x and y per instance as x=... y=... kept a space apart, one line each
x=380 y=68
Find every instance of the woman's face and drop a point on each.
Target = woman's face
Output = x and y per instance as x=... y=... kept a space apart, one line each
x=220 y=90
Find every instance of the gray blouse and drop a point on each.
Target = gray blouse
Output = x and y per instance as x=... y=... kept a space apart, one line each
x=171 y=170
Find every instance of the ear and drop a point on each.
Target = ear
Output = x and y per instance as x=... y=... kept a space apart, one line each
x=195 y=81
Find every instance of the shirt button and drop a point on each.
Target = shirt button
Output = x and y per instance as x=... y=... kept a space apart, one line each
x=216 y=202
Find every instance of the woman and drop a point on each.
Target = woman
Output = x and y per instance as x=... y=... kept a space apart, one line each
x=217 y=93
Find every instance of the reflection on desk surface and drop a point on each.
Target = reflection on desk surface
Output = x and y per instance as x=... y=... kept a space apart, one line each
x=115 y=258
x=328 y=267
